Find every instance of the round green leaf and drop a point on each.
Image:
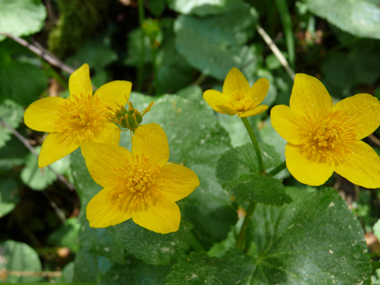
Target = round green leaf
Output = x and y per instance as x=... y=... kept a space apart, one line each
x=38 y=178
x=11 y=115
x=200 y=7
x=233 y=268
x=18 y=256
x=314 y=240
x=9 y=195
x=358 y=17
x=215 y=44
x=21 y=18
x=151 y=247
x=21 y=81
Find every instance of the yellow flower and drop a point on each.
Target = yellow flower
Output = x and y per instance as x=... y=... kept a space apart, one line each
x=323 y=138
x=80 y=118
x=238 y=97
x=140 y=185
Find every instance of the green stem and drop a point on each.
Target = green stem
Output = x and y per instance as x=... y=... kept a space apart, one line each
x=155 y=72
x=278 y=169
x=244 y=227
x=140 y=75
x=255 y=144
x=196 y=245
x=200 y=79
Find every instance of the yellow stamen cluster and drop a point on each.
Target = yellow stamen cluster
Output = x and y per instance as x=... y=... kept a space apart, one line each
x=331 y=138
x=241 y=101
x=133 y=184
x=81 y=118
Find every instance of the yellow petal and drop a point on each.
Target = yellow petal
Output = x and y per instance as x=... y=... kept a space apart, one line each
x=363 y=110
x=259 y=90
x=103 y=159
x=214 y=98
x=235 y=81
x=252 y=112
x=164 y=217
x=54 y=148
x=115 y=93
x=310 y=97
x=227 y=110
x=306 y=170
x=80 y=82
x=361 y=167
x=109 y=134
x=106 y=209
x=151 y=141
x=289 y=124
x=41 y=115
x=177 y=181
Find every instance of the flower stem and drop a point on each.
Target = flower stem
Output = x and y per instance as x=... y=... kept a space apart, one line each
x=244 y=227
x=155 y=72
x=276 y=170
x=252 y=206
x=140 y=75
x=255 y=144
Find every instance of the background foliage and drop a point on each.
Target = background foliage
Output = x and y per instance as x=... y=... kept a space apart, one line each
x=298 y=234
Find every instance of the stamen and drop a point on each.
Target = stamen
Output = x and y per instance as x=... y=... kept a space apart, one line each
x=132 y=184
x=241 y=101
x=80 y=118
x=330 y=138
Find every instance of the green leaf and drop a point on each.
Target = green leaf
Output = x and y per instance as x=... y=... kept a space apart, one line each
x=259 y=188
x=136 y=273
x=358 y=17
x=66 y=235
x=97 y=241
x=198 y=144
x=20 y=81
x=233 y=268
x=151 y=247
x=200 y=7
x=342 y=70
x=134 y=49
x=11 y=115
x=314 y=240
x=68 y=272
x=243 y=159
x=97 y=53
x=157 y=7
x=9 y=195
x=38 y=178
x=174 y=72
x=89 y=267
x=18 y=256
x=12 y=154
x=21 y=18
x=215 y=44
x=238 y=169
x=100 y=242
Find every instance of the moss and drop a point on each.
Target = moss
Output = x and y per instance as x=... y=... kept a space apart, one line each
x=78 y=19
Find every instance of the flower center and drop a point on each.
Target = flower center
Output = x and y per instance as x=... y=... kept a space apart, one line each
x=81 y=118
x=241 y=101
x=135 y=188
x=331 y=138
